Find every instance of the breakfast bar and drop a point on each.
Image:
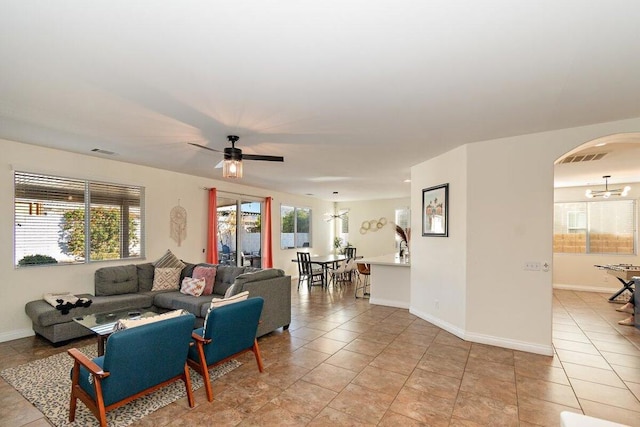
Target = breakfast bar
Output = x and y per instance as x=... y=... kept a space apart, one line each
x=390 y=280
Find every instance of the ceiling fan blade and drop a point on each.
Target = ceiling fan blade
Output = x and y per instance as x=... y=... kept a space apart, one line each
x=205 y=147
x=219 y=165
x=262 y=157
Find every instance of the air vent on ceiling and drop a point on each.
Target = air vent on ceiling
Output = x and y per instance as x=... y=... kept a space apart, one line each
x=101 y=151
x=583 y=158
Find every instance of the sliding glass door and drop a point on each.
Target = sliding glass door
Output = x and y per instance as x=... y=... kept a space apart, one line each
x=239 y=232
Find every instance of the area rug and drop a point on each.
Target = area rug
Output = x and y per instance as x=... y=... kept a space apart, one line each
x=46 y=383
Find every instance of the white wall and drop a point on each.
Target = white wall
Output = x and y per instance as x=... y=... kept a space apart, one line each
x=372 y=243
x=438 y=264
x=163 y=189
x=508 y=199
x=577 y=271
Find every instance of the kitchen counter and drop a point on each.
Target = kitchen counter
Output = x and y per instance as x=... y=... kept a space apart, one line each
x=390 y=280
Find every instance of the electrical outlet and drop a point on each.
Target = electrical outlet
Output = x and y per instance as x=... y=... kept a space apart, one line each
x=437 y=304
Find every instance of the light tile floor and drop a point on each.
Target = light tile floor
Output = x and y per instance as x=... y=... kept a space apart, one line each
x=346 y=362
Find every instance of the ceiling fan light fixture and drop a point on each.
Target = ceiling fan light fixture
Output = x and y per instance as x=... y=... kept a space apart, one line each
x=232 y=168
x=232 y=162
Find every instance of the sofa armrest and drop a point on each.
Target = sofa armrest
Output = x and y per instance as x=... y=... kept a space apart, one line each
x=276 y=293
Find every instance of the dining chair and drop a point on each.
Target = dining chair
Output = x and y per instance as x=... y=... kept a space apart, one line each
x=306 y=271
x=364 y=272
x=351 y=269
x=337 y=275
x=350 y=252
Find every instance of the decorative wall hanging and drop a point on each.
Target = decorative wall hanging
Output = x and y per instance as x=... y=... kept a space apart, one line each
x=178 y=224
x=372 y=225
x=435 y=211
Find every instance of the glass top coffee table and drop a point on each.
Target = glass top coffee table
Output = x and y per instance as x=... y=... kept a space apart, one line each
x=102 y=324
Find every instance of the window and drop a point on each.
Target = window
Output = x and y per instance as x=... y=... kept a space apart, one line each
x=343 y=226
x=594 y=227
x=295 y=228
x=69 y=221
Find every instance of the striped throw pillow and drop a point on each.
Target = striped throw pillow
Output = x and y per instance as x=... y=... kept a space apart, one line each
x=169 y=260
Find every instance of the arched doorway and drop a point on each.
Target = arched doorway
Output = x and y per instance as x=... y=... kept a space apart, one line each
x=597 y=230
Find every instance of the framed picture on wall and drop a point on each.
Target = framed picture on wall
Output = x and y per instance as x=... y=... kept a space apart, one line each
x=435 y=211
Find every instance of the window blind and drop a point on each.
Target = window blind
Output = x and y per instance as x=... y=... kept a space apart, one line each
x=59 y=220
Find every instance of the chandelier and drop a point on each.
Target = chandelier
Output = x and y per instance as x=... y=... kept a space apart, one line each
x=606 y=193
x=339 y=215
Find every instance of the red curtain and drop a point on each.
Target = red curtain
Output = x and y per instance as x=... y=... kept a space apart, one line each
x=267 y=253
x=212 y=241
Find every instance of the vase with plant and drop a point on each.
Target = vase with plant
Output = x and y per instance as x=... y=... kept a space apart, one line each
x=337 y=244
x=404 y=234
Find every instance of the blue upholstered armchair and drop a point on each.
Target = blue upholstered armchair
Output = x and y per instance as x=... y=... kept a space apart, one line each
x=230 y=331
x=136 y=362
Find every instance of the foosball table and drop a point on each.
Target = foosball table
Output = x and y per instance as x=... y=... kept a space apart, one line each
x=624 y=273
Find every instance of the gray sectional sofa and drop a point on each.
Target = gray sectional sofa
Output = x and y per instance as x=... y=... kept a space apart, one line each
x=128 y=287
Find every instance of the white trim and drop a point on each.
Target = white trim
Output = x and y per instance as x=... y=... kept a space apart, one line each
x=439 y=323
x=486 y=339
x=389 y=303
x=14 y=335
x=570 y=287
x=545 y=350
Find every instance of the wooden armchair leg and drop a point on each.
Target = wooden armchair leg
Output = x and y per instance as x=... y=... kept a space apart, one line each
x=204 y=371
x=187 y=382
x=256 y=352
x=74 y=399
x=101 y=411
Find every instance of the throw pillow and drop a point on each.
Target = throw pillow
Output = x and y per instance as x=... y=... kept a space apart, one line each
x=231 y=290
x=169 y=260
x=166 y=279
x=220 y=302
x=191 y=286
x=209 y=276
x=132 y=323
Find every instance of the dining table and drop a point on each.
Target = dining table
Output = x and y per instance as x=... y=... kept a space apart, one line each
x=326 y=261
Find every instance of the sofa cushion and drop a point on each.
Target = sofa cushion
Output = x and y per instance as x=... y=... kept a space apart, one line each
x=169 y=260
x=42 y=314
x=145 y=276
x=225 y=277
x=176 y=300
x=165 y=279
x=209 y=276
x=116 y=280
x=187 y=271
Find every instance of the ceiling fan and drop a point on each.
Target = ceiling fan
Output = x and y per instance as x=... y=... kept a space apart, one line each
x=232 y=163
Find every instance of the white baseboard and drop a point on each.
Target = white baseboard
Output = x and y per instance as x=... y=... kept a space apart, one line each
x=14 y=335
x=486 y=339
x=512 y=344
x=600 y=289
x=439 y=323
x=388 y=303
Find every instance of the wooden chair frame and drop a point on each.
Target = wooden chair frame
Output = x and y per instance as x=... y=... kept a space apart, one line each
x=97 y=406
x=203 y=369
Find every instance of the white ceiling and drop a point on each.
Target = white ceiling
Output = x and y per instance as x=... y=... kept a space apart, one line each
x=351 y=93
